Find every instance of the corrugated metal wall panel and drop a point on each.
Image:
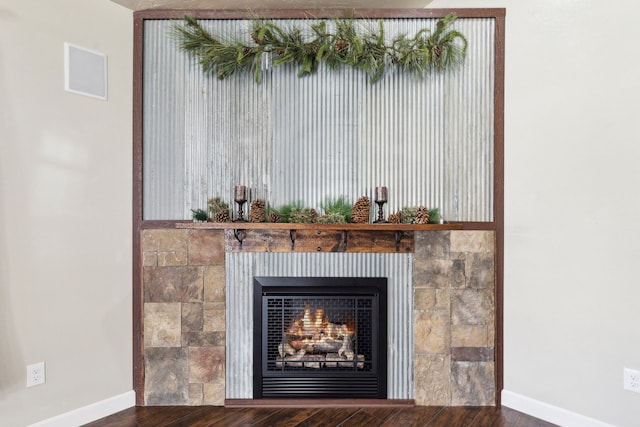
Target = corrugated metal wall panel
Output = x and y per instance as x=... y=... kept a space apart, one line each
x=239 y=325
x=468 y=101
x=242 y=267
x=163 y=146
x=430 y=141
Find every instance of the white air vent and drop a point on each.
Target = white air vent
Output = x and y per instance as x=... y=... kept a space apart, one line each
x=85 y=71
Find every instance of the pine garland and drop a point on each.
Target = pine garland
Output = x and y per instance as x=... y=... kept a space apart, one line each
x=441 y=50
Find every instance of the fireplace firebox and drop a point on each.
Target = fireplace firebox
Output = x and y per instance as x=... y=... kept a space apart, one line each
x=320 y=337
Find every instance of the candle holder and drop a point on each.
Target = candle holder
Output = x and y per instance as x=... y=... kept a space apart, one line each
x=380 y=199
x=380 y=212
x=240 y=197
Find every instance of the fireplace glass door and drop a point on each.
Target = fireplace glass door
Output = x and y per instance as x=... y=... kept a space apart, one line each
x=320 y=337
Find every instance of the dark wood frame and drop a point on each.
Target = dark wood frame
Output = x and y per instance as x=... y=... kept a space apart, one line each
x=497 y=225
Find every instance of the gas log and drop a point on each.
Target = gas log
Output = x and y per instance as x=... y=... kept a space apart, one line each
x=314 y=342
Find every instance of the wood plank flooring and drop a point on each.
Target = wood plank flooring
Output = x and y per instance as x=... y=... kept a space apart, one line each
x=208 y=416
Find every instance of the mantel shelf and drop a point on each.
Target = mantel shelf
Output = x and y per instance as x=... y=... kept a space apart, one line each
x=298 y=226
x=295 y=237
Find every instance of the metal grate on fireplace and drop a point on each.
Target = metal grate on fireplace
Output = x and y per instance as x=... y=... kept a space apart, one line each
x=320 y=337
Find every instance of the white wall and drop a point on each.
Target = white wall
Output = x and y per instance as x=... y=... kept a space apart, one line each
x=572 y=203
x=65 y=210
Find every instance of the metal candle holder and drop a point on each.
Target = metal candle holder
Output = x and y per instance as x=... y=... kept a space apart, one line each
x=380 y=199
x=240 y=197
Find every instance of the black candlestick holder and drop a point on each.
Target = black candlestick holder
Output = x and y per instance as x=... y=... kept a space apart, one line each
x=380 y=219
x=380 y=199
x=240 y=196
x=240 y=211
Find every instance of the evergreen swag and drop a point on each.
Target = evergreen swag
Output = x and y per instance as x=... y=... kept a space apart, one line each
x=440 y=50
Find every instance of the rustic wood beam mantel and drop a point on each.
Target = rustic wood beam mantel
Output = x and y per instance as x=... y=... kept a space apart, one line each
x=300 y=226
x=338 y=238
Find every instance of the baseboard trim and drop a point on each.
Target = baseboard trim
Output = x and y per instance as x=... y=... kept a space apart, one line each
x=546 y=412
x=91 y=412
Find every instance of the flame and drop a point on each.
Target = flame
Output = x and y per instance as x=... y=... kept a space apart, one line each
x=314 y=333
x=311 y=322
x=306 y=320
x=315 y=326
x=319 y=317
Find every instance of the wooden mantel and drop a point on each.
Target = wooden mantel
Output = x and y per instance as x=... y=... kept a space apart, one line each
x=299 y=226
x=293 y=237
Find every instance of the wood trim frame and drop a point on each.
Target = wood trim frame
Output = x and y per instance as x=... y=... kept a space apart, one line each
x=496 y=225
x=498 y=197
x=138 y=295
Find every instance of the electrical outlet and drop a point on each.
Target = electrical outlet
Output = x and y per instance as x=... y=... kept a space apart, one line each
x=35 y=374
x=631 y=380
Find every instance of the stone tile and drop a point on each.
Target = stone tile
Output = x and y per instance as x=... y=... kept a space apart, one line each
x=480 y=271
x=192 y=317
x=150 y=259
x=166 y=376
x=203 y=339
x=431 y=331
x=214 y=393
x=480 y=241
x=472 y=354
x=196 y=394
x=470 y=336
x=206 y=364
x=472 y=384
x=436 y=273
x=172 y=258
x=491 y=333
x=173 y=284
x=163 y=239
x=432 y=244
x=214 y=317
x=432 y=380
x=169 y=245
x=431 y=299
x=206 y=247
x=424 y=299
x=471 y=306
x=162 y=325
x=214 y=283
x=443 y=299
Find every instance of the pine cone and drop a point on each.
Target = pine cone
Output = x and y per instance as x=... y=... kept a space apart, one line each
x=422 y=215
x=395 y=218
x=257 y=211
x=341 y=47
x=255 y=35
x=222 y=216
x=361 y=211
x=274 y=217
x=215 y=205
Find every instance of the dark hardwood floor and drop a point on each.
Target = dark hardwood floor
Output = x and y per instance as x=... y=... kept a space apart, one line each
x=202 y=416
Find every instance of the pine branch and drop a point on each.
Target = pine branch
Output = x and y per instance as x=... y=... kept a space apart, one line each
x=440 y=50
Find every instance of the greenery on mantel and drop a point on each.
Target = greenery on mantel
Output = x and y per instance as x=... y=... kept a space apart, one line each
x=427 y=51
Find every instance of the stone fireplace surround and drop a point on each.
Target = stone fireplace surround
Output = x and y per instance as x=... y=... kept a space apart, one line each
x=185 y=312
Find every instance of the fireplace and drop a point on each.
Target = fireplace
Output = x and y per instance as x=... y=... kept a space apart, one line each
x=199 y=311
x=320 y=337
